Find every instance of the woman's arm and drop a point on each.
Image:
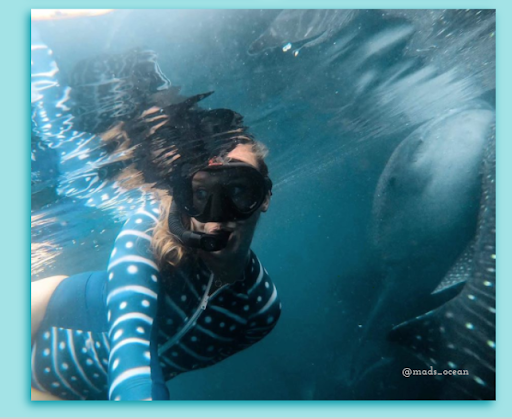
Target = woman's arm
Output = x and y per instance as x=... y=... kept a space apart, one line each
x=266 y=309
x=132 y=297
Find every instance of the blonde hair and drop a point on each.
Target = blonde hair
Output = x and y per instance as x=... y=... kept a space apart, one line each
x=167 y=249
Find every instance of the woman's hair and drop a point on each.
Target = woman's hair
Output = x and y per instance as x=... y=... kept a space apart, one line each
x=149 y=151
x=166 y=247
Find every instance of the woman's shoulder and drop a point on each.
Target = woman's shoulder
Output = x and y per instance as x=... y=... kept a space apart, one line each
x=256 y=277
x=141 y=222
x=145 y=216
x=133 y=243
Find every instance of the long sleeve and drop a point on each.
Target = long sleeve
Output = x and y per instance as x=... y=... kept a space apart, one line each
x=267 y=309
x=132 y=298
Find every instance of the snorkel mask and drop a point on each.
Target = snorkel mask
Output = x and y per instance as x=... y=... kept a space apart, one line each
x=224 y=190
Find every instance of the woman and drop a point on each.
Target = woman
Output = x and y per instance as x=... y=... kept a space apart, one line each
x=182 y=290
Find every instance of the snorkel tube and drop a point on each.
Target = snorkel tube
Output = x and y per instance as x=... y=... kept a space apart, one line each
x=207 y=242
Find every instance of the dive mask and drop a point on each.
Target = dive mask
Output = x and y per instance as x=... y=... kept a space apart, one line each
x=225 y=190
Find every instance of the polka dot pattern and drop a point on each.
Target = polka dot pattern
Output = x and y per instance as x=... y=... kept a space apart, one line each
x=235 y=317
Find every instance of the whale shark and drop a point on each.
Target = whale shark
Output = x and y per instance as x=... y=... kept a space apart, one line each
x=461 y=334
x=425 y=217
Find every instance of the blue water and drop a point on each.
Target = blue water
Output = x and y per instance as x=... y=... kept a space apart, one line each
x=331 y=97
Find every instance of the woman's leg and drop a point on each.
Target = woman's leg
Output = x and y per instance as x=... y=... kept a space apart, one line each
x=40 y=293
x=36 y=395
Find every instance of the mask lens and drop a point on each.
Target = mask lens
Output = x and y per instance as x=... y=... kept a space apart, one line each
x=203 y=186
x=244 y=193
x=227 y=193
x=200 y=197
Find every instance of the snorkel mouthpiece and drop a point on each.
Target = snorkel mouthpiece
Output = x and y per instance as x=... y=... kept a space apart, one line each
x=208 y=242
x=197 y=240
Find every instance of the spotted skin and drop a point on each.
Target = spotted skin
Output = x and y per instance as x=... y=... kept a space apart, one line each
x=461 y=334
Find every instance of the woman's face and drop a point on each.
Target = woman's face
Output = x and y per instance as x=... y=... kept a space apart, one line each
x=242 y=231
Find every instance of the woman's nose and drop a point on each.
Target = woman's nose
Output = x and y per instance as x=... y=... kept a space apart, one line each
x=229 y=225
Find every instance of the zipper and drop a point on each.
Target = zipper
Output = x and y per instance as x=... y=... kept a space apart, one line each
x=190 y=322
x=204 y=300
x=207 y=298
x=217 y=291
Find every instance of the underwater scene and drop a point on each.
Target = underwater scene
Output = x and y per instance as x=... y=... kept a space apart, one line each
x=263 y=204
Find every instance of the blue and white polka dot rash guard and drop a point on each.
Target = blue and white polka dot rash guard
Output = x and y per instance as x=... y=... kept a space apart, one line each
x=121 y=334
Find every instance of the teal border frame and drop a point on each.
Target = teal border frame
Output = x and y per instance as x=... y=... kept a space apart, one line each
x=14 y=248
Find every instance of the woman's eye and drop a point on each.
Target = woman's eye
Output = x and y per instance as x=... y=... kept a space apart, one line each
x=200 y=194
x=237 y=190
